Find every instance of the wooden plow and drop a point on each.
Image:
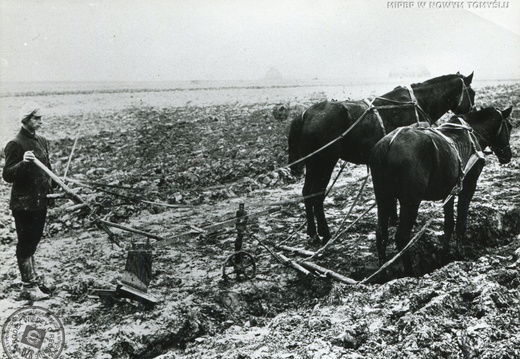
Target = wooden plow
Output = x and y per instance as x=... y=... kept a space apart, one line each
x=240 y=265
x=137 y=273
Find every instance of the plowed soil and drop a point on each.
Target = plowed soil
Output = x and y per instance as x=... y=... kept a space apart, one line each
x=180 y=171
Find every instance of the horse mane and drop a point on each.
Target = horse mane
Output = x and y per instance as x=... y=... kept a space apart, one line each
x=437 y=80
x=482 y=113
x=472 y=118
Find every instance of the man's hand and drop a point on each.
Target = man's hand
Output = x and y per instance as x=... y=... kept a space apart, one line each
x=28 y=156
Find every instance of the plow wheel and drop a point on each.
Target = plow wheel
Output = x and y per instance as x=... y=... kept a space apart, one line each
x=241 y=265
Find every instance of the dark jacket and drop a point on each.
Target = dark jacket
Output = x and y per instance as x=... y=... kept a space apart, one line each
x=30 y=183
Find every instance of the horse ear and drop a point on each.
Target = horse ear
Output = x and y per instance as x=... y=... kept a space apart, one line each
x=507 y=112
x=467 y=80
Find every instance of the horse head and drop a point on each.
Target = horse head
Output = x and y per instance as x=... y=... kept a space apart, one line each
x=494 y=130
x=441 y=94
x=466 y=98
x=500 y=145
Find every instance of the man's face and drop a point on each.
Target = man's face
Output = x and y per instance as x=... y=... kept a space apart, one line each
x=34 y=123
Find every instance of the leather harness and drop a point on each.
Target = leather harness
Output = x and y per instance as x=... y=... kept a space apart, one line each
x=464 y=168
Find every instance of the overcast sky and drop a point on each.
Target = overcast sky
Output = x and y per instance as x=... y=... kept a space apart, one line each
x=137 y=40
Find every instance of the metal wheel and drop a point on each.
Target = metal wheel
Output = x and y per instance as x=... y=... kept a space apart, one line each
x=241 y=265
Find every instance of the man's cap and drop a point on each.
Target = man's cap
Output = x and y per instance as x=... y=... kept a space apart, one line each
x=30 y=109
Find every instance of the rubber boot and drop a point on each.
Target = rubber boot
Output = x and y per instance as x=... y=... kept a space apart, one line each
x=30 y=290
x=40 y=279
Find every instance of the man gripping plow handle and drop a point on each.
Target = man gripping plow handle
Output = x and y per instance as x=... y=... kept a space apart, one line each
x=28 y=168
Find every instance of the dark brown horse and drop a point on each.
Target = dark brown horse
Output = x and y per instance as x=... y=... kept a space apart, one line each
x=318 y=138
x=412 y=164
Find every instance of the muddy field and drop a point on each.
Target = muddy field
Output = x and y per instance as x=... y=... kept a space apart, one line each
x=192 y=163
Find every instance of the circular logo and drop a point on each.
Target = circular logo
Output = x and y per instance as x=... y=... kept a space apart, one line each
x=33 y=332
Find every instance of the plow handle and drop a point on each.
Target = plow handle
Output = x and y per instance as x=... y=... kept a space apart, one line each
x=58 y=180
x=77 y=199
x=99 y=222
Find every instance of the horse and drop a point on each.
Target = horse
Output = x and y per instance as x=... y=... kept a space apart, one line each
x=412 y=164
x=330 y=130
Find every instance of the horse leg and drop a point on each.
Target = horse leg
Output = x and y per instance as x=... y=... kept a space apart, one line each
x=393 y=213
x=385 y=206
x=465 y=197
x=449 y=224
x=407 y=216
x=308 y=187
x=323 y=178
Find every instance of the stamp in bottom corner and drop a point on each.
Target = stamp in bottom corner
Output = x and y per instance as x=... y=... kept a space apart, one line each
x=33 y=333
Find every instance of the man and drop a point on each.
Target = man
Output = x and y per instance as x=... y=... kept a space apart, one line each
x=28 y=195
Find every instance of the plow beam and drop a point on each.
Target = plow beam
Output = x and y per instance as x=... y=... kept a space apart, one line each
x=327 y=273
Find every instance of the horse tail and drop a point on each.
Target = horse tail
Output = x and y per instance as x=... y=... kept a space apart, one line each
x=379 y=160
x=386 y=204
x=379 y=154
x=295 y=131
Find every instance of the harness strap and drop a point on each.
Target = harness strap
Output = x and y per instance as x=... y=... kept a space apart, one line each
x=469 y=165
x=376 y=112
x=412 y=104
x=399 y=103
x=399 y=129
x=425 y=115
x=464 y=90
x=472 y=138
x=414 y=100
x=462 y=170
x=449 y=141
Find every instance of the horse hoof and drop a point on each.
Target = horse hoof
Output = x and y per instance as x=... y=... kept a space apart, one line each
x=461 y=254
x=314 y=240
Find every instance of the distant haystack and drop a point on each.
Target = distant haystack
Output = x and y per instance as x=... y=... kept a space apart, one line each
x=410 y=72
x=273 y=74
